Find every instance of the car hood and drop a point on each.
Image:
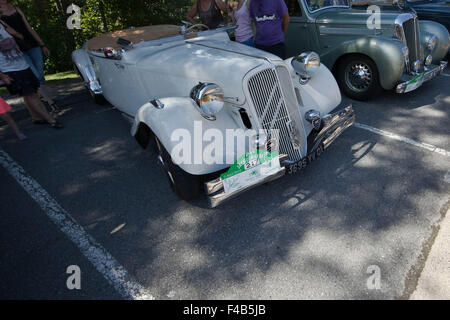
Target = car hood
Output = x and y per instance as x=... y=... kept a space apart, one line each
x=181 y=67
x=355 y=16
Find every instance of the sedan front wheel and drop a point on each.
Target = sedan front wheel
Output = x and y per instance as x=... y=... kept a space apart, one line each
x=358 y=77
x=185 y=185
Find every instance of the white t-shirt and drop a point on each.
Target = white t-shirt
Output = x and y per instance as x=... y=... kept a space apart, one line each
x=11 y=58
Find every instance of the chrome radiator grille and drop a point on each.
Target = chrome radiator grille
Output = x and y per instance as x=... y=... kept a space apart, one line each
x=273 y=111
x=412 y=39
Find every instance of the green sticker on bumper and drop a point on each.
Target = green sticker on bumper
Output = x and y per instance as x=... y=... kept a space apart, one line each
x=415 y=79
x=249 y=169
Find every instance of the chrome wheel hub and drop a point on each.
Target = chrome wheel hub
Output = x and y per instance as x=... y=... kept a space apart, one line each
x=358 y=76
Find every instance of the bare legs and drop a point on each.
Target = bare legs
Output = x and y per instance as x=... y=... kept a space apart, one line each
x=43 y=92
x=36 y=108
x=33 y=114
x=10 y=121
x=13 y=125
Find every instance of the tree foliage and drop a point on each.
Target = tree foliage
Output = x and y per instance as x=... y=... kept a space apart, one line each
x=49 y=17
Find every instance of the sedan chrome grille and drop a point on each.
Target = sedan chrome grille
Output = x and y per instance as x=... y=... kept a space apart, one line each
x=273 y=111
x=412 y=39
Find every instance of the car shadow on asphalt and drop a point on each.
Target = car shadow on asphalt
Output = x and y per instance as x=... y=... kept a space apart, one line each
x=200 y=248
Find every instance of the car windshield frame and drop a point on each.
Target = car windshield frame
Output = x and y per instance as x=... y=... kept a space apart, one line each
x=306 y=2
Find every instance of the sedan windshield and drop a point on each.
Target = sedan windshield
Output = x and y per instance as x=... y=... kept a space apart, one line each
x=315 y=5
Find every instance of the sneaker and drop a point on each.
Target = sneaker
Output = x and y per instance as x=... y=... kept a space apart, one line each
x=55 y=108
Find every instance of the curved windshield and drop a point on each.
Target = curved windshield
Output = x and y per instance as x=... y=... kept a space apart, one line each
x=315 y=5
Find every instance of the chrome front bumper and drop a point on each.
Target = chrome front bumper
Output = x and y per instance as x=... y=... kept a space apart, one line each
x=419 y=79
x=333 y=126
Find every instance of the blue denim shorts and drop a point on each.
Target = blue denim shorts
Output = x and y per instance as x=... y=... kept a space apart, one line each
x=249 y=42
x=36 y=62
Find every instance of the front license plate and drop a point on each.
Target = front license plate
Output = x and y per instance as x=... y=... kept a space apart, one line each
x=250 y=169
x=299 y=165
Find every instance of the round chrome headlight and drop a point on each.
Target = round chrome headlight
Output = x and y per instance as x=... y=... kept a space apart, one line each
x=209 y=98
x=431 y=43
x=306 y=64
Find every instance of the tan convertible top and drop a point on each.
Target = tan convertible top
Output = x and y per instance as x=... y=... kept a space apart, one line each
x=134 y=35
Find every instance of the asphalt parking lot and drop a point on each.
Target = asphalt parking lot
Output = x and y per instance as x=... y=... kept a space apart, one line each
x=375 y=198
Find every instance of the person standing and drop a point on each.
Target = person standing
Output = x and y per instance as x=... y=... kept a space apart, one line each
x=241 y=16
x=17 y=75
x=271 y=18
x=31 y=45
x=209 y=12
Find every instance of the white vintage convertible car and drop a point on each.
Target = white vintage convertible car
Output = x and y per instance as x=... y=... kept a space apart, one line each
x=191 y=93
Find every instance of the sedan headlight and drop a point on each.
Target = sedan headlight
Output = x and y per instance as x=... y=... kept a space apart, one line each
x=306 y=64
x=431 y=43
x=416 y=65
x=209 y=98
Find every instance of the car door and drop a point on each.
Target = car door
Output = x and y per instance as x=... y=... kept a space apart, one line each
x=300 y=32
x=120 y=84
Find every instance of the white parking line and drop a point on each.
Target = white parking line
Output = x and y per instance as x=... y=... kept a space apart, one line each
x=102 y=260
x=394 y=136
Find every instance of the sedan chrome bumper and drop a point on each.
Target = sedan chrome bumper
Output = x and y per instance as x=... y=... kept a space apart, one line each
x=333 y=126
x=420 y=78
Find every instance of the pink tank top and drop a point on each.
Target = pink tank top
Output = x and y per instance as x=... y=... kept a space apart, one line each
x=244 y=30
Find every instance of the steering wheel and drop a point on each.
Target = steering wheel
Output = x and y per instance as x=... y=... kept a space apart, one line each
x=313 y=4
x=199 y=25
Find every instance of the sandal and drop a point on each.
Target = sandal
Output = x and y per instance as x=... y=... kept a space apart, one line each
x=55 y=108
x=40 y=121
x=56 y=125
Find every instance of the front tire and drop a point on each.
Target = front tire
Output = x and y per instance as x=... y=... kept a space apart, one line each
x=358 y=77
x=98 y=98
x=185 y=185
